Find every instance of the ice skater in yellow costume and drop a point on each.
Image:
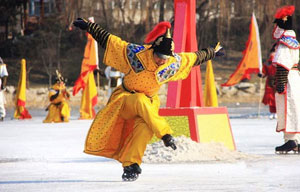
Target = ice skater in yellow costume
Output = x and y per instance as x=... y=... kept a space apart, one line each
x=122 y=129
x=59 y=109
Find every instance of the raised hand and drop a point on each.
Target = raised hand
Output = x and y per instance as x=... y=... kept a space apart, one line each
x=81 y=23
x=219 y=50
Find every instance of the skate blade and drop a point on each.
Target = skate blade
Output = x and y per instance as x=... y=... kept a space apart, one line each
x=292 y=152
x=130 y=179
x=296 y=151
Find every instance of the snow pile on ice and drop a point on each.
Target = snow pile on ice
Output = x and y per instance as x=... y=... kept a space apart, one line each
x=191 y=151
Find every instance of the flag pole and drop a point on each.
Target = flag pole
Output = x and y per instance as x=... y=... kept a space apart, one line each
x=98 y=81
x=260 y=93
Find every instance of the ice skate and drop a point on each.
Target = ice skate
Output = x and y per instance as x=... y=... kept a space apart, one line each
x=131 y=173
x=273 y=116
x=290 y=145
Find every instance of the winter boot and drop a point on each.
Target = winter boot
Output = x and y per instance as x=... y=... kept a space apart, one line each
x=290 y=145
x=131 y=173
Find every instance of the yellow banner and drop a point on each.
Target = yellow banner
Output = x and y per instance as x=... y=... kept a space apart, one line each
x=21 y=112
x=89 y=98
x=210 y=90
x=86 y=80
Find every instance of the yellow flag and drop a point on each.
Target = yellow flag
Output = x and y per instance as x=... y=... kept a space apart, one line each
x=210 y=91
x=86 y=80
x=21 y=112
x=89 y=98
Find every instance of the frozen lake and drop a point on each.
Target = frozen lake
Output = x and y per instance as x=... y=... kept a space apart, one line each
x=48 y=157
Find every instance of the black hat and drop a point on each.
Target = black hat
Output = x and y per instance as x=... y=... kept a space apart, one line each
x=287 y=25
x=283 y=17
x=164 y=46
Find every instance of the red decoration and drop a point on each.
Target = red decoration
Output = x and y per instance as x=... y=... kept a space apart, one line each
x=285 y=11
x=157 y=31
x=185 y=96
x=188 y=92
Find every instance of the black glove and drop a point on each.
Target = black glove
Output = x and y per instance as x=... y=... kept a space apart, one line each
x=219 y=50
x=259 y=75
x=280 y=87
x=169 y=141
x=81 y=23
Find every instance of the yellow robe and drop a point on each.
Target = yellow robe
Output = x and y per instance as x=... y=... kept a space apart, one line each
x=58 y=107
x=123 y=128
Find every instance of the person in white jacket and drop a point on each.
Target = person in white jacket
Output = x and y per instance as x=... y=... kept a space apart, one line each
x=114 y=79
x=3 y=79
x=287 y=96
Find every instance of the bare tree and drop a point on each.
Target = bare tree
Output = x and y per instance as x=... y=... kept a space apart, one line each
x=161 y=10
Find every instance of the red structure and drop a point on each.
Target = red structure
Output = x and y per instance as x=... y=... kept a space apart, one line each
x=185 y=97
x=185 y=41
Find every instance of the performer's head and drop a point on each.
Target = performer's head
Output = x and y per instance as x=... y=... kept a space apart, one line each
x=60 y=80
x=283 y=17
x=162 y=42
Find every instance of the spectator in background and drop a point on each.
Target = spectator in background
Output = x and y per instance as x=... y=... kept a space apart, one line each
x=287 y=94
x=3 y=80
x=269 y=71
x=59 y=109
x=114 y=79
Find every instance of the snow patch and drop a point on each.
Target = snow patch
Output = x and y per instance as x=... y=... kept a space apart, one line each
x=191 y=151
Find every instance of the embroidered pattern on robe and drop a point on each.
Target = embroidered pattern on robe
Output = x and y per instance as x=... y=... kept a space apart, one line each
x=132 y=50
x=170 y=70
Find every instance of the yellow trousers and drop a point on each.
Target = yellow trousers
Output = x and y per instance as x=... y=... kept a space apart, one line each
x=144 y=111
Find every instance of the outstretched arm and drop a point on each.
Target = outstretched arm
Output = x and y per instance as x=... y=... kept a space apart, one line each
x=114 y=46
x=208 y=54
x=204 y=55
x=98 y=33
x=54 y=96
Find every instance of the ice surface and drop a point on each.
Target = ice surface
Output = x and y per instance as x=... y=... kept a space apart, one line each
x=48 y=157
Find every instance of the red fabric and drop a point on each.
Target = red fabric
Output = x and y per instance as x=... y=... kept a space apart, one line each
x=20 y=103
x=94 y=103
x=269 y=70
x=272 y=109
x=80 y=82
x=284 y=11
x=157 y=31
x=25 y=114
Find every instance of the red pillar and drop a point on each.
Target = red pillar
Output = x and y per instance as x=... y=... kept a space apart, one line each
x=188 y=92
x=206 y=124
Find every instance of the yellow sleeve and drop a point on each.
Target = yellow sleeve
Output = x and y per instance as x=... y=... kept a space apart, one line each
x=51 y=93
x=115 y=54
x=187 y=62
